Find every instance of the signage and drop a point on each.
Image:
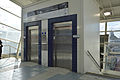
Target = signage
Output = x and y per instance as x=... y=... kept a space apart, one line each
x=48 y=9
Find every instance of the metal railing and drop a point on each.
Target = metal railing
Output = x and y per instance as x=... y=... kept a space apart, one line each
x=11 y=50
x=111 y=56
x=93 y=59
x=9 y=40
x=10 y=47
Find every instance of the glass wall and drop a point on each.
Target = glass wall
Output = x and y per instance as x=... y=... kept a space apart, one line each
x=114 y=27
x=111 y=27
x=112 y=59
x=112 y=45
x=10 y=6
x=10 y=26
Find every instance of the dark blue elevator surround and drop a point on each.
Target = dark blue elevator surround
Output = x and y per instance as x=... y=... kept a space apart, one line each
x=26 y=25
x=51 y=21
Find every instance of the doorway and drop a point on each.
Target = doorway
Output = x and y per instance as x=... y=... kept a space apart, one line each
x=32 y=42
x=62 y=46
x=62 y=42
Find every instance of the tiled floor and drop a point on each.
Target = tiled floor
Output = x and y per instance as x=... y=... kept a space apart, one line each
x=11 y=69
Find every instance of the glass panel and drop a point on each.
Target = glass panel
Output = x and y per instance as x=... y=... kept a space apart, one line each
x=113 y=48
x=115 y=34
x=9 y=33
x=102 y=26
x=113 y=26
x=9 y=47
x=10 y=19
x=114 y=62
x=113 y=56
x=10 y=6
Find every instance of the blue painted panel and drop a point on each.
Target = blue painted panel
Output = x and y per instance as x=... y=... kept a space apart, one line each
x=51 y=21
x=74 y=44
x=25 y=42
x=26 y=25
x=40 y=52
x=50 y=43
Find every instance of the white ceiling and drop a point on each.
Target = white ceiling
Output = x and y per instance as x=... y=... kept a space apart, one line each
x=24 y=3
x=104 y=5
x=109 y=5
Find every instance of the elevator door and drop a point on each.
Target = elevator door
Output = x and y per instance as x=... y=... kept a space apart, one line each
x=33 y=43
x=62 y=45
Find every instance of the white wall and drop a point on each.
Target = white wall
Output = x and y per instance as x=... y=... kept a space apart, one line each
x=91 y=35
x=85 y=21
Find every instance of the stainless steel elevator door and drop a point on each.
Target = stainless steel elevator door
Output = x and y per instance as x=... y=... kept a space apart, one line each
x=33 y=43
x=63 y=45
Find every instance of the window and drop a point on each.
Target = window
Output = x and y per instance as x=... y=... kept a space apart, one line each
x=10 y=19
x=113 y=26
x=102 y=28
x=10 y=6
x=10 y=26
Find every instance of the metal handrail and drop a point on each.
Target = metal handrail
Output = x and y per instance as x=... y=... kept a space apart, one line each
x=9 y=26
x=9 y=40
x=17 y=55
x=11 y=46
x=9 y=51
x=94 y=61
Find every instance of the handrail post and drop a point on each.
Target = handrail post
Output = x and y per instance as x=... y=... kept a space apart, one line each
x=17 y=55
x=9 y=51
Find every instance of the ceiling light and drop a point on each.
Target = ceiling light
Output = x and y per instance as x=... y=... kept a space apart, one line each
x=107 y=13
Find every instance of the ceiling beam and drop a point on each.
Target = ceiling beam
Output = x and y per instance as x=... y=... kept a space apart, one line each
x=112 y=7
x=110 y=19
x=101 y=8
x=112 y=16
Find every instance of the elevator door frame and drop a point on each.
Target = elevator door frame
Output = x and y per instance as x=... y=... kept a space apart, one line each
x=26 y=26
x=51 y=22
